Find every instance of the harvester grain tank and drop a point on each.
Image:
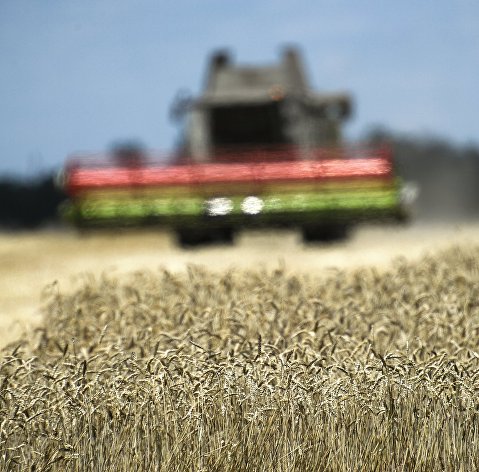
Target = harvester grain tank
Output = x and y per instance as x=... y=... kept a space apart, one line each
x=260 y=148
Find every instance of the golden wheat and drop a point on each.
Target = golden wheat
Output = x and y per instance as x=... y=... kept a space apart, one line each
x=251 y=370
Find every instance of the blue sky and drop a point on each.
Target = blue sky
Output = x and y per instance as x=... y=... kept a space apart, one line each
x=80 y=74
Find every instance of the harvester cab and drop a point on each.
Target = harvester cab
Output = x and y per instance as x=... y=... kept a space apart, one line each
x=270 y=108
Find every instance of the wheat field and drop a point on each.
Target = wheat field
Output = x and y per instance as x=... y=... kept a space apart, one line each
x=30 y=261
x=251 y=369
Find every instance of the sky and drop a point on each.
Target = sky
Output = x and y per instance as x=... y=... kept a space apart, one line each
x=79 y=75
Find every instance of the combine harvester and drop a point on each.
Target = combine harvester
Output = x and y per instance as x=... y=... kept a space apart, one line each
x=260 y=150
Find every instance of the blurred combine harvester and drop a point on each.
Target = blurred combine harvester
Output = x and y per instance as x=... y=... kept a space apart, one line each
x=260 y=148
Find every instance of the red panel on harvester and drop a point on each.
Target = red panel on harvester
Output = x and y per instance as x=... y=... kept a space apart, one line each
x=198 y=174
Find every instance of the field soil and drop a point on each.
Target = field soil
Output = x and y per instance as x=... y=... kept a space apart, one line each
x=34 y=263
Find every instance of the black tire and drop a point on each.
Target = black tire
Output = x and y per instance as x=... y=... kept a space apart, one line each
x=325 y=233
x=191 y=237
x=225 y=235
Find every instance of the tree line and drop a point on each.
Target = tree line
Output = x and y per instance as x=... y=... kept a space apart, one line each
x=446 y=175
x=29 y=204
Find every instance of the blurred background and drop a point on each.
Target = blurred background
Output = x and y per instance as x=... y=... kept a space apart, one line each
x=85 y=75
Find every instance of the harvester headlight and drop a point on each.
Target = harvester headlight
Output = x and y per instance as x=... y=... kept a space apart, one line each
x=252 y=205
x=219 y=206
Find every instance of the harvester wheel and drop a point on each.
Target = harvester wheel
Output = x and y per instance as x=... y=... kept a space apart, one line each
x=190 y=237
x=325 y=233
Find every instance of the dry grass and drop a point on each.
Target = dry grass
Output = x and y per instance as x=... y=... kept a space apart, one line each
x=251 y=370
